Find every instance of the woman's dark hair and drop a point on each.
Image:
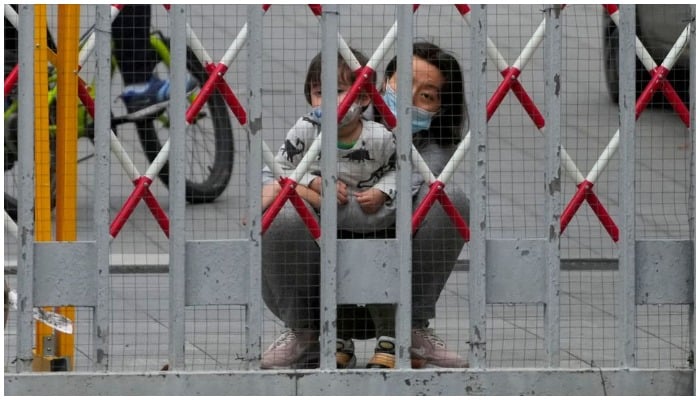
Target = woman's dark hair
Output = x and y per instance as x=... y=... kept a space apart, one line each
x=446 y=127
x=345 y=74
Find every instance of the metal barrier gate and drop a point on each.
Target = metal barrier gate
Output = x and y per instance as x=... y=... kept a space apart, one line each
x=506 y=279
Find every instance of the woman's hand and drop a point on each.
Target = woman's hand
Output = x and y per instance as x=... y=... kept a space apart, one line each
x=371 y=200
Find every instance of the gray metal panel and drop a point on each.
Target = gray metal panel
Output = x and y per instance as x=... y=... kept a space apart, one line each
x=176 y=187
x=102 y=311
x=65 y=274
x=665 y=271
x=625 y=300
x=552 y=174
x=329 y=207
x=691 y=170
x=254 y=311
x=543 y=382
x=216 y=272
x=516 y=271
x=368 y=271
x=479 y=187
x=404 y=80
x=25 y=200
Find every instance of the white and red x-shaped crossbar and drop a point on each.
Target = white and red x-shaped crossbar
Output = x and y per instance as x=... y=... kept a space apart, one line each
x=658 y=73
x=216 y=74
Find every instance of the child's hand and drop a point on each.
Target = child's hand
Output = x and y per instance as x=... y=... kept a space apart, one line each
x=341 y=189
x=371 y=200
x=342 y=192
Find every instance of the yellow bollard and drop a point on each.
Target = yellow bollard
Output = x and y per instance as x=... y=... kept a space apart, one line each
x=67 y=150
x=44 y=343
x=57 y=350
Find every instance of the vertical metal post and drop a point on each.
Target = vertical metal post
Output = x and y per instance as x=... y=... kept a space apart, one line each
x=626 y=339
x=478 y=209
x=691 y=195
x=176 y=187
x=101 y=220
x=254 y=309
x=404 y=75
x=552 y=178
x=25 y=206
x=329 y=207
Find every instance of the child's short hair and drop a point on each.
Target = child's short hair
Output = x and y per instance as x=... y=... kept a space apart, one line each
x=345 y=74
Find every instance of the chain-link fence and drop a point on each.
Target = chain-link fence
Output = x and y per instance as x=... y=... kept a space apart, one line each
x=222 y=40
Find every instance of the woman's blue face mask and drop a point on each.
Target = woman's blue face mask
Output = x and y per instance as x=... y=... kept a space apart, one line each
x=420 y=118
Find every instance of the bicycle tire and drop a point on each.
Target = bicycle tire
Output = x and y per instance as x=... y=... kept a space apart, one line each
x=11 y=155
x=11 y=206
x=678 y=77
x=209 y=167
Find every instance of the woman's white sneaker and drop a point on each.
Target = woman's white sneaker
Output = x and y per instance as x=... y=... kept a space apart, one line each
x=294 y=348
x=427 y=346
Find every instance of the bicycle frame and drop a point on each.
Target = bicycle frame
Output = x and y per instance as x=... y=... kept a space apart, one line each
x=84 y=115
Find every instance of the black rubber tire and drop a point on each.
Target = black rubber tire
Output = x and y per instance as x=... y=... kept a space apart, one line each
x=678 y=77
x=11 y=167
x=209 y=147
x=11 y=206
x=611 y=46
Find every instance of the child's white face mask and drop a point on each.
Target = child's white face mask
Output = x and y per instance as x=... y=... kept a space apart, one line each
x=354 y=111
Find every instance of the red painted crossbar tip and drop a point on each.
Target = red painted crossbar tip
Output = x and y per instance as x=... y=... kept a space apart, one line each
x=363 y=76
x=273 y=209
x=437 y=193
x=11 y=80
x=585 y=193
x=288 y=192
x=462 y=8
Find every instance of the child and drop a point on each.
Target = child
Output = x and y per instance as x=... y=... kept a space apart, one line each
x=366 y=155
x=366 y=175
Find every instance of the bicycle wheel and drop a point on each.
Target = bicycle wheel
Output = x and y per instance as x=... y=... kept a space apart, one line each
x=11 y=206
x=11 y=153
x=209 y=143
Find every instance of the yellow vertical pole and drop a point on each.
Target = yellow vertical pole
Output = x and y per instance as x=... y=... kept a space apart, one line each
x=42 y=160
x=67 y=149
x=42 y=148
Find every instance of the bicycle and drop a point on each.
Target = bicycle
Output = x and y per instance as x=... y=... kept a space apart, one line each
x=210 y=144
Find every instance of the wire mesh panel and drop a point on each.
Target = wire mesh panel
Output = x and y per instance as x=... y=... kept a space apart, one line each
x=221 y=210
x=588 y=319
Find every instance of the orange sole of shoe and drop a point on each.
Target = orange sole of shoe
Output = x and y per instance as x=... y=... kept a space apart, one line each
x=342 y=360
x=381 y=360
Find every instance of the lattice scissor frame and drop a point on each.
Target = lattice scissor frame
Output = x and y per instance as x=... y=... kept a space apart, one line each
x=658 y=82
